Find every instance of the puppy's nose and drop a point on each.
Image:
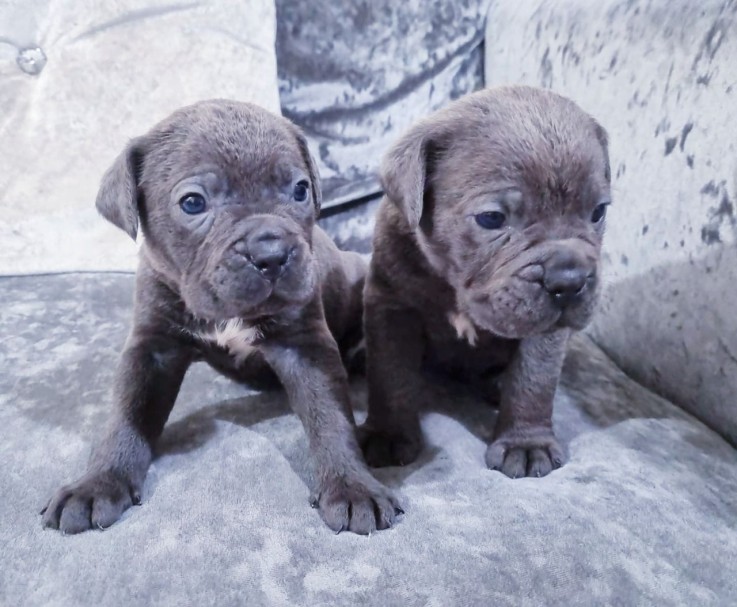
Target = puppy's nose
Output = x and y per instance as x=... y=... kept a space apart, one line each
x=269 y=253
x=566 y=279
x=271 y=264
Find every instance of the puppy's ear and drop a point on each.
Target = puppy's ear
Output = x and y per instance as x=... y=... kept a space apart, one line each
x=311 y=169
x=406 y=169
x=117 y=199
x=603 y=138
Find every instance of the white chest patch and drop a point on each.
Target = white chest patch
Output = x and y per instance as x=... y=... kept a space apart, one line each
x=235 y=336
x=463 y=326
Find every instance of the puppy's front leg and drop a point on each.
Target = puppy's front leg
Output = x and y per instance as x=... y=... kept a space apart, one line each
x=524 y=443
x=149 y=375
x=348 y=496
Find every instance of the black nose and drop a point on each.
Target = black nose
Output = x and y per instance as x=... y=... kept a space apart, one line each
x=566 y=279
x=269 y=254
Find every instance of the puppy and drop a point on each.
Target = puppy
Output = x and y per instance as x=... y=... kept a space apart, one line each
x=486 y=256
x=233 y=271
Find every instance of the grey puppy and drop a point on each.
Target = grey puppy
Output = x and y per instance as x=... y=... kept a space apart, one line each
x=486 y=257
x=233 y=271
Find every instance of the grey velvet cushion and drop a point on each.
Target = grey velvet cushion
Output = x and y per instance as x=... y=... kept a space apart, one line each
x=355 y=75
x=78 y=79
x=643 y=513
x=661 y=76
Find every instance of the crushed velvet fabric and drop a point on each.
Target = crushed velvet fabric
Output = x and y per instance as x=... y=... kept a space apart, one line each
x=643 y=512
x=355 y=75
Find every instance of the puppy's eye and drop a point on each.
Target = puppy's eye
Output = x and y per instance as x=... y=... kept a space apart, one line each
x=599 y=213
x=193 y=204
x=491 y=220
x=301 y=190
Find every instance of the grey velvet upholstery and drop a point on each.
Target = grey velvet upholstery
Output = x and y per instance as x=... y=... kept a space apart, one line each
x=79 y=79
x=355 y=75
x=643 y=513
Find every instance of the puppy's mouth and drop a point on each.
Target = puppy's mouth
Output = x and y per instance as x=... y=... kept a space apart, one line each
x=519 y=307
x=239 y=288
x=224 y=306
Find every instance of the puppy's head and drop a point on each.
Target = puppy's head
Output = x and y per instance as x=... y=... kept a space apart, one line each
x=226 y=195
x=506 y=192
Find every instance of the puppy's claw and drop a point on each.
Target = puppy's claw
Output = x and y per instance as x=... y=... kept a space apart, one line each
x=524 y=458
x=96 y=501
x=356 y=504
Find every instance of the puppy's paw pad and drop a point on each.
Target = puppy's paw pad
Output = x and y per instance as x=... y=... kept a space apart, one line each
x=357 y=505
x=520 y=458
x=95 y=501
x=381 y=450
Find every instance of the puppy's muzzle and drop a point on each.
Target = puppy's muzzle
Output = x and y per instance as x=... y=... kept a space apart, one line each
x=568 y=277
x=269 y=249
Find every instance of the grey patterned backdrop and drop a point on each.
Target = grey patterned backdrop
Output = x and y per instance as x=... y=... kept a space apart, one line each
x=355 y=75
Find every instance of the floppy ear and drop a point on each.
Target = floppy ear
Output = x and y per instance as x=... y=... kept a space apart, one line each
x=405 y=170
x=311 y=169
x=117 y=199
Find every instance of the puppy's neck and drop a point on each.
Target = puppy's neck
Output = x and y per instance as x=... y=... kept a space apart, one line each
x=151 y=263
x=434 y=259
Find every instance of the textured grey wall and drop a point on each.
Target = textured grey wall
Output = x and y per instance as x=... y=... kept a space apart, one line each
x=661 y=75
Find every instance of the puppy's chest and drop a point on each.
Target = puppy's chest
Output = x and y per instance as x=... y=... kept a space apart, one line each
x=236 y=337
x=454 y=342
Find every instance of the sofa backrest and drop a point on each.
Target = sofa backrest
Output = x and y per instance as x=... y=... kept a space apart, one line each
x=78 y=79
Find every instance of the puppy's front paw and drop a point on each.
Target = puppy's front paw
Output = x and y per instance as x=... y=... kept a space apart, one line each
x=381 y=448
x=518 y=456
x=95 y=501
x=357 y=504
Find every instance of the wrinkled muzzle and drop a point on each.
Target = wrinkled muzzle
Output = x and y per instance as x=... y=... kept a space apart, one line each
x=250 y=268
x=551 y=285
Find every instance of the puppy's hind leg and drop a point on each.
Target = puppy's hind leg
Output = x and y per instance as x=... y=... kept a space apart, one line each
x=391 y=435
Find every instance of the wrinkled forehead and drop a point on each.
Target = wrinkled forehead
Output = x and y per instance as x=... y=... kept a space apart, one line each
x=555 y=165
x=245 y=146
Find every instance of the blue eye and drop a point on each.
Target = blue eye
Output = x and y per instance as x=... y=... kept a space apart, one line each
x=193 y=204
x=599 y=213
x=491 y=220
x=301 y=190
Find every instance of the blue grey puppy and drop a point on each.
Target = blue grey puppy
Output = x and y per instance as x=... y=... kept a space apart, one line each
x=486 y=256
x=233 y=271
